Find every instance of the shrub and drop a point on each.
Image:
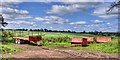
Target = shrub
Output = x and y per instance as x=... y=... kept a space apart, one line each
x=7 y=35
x=60 y=39
x=8 y=49
x=8 y=58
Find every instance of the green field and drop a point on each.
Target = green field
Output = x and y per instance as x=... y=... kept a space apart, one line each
x=57 y=40
x=49 y=34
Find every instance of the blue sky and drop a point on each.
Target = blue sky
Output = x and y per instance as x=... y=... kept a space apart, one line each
x=76 y=16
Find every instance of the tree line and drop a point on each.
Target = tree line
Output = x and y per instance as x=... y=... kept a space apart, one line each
x=43 y=30
x=100 y=33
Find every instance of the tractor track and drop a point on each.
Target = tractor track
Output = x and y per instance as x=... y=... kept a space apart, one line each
x=40 y=52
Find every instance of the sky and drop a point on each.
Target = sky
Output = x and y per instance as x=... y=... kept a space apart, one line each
x=60 y=15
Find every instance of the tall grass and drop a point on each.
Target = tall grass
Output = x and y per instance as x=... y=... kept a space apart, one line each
x=8 y=48
x=61 y=39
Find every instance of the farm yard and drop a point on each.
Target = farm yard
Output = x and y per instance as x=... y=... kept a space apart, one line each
x=59 y=44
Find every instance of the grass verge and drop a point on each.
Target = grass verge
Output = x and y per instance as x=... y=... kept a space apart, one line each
x=8 y=48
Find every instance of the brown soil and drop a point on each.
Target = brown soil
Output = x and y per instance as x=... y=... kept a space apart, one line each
x=39 y=52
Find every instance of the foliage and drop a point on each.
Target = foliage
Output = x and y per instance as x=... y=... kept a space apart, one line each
x=7 y=36
x=7 y=33
x=8 y=58
x=105 y=47
x=8 y=48
x=60 y=39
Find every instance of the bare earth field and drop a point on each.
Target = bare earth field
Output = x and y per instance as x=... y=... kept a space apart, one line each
x=39 y=52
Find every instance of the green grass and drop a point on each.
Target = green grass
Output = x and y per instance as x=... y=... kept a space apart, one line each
x=49 y=34
x=8 y=48
x=108 y=47
x=58 y=40
x=8 y=58
x=101 y=47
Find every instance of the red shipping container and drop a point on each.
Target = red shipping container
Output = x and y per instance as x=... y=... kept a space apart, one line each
x=82 y=41
x=103 y=39
x=33 y=39
x=79 y=40
x=90 y=39
x=38 y=38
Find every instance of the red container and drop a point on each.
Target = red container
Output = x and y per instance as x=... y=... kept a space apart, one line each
x=103 y=39
x=82 y=41
x=79 y=40
x=38 y=38
x=90 y=39
x=33 y=39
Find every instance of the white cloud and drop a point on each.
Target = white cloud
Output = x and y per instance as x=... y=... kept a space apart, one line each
x=52 y=20
x=21 y=22
x=61 y=9
x=23 y=17
x=108 y=23
x=40 y=18
x=10 y=13
x=101 y=12
x=93 y=25
x=51 y=27
x=16 y=17
x=78 y=23
x=71 y=7
x=47 y=22
x=111 y=16
x=16 y=0
x=98 y=21
x=53 y=0
x=7 y=10
x=8 y=4
x=82 y=0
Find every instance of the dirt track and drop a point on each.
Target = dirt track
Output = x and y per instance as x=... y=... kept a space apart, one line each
x=39 y=52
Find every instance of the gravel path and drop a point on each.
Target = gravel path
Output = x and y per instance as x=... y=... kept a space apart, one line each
x=39 y=52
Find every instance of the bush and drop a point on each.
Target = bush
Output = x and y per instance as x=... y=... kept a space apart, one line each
x=7 y=36
x=105 y=47
x=8 y=49
x=60 y=39
x=8 y=58
x=7 y=33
